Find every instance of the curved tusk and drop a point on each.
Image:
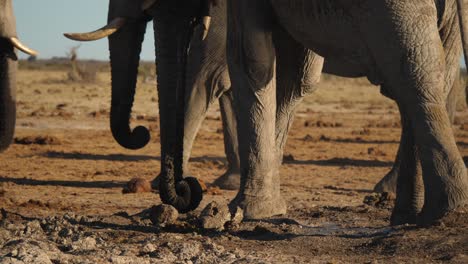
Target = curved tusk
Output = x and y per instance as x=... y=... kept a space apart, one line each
x=147 y=4
x=103 y=32
x=206 y=21
x=17 y=44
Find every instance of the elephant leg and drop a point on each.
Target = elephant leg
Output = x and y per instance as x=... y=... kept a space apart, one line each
x=251 y=60
x=298 y=72
x=414 y=65
x=389 y=182
x=230 y=180
x=409 y=185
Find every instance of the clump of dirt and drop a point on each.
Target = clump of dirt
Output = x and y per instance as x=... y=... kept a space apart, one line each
x=163 y=214
x=137 y=185
x=38 y=140
x=321 y=123
x=375 y=152
x=383 y=200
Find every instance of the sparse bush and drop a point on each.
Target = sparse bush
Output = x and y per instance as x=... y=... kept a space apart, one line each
x=147 y=72
x=80 y=72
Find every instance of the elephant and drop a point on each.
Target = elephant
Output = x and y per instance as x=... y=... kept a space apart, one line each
x=206 y=83
x=8 y=67
x=207 y=79
x=410 y=49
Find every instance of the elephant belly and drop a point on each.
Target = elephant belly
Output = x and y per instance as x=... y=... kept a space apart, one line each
x=329 y=28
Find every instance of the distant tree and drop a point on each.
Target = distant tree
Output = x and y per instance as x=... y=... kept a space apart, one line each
x=32 y=58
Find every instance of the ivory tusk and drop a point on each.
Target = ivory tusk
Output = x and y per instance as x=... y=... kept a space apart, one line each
x=103 y=32
x=147 y=4
x=206 y=21
x=17 y=44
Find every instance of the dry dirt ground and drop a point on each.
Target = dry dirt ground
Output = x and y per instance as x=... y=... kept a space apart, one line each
x=61 y=184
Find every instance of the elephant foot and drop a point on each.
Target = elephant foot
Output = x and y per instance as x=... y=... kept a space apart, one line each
x=387 y=183
x=256 y=207
x=401 y=217
x=228 y=181
x=442 y=216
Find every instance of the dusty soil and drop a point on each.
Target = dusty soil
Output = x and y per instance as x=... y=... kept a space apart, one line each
x=61 y=185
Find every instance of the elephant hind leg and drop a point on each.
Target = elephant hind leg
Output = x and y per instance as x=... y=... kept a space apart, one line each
x=413 y=64
x=409 y=181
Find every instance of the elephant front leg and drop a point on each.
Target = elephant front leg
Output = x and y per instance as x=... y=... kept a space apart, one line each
x=251 y=59
x=230 y=180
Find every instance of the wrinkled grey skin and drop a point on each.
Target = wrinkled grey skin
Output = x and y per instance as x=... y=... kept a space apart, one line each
x=397 y=44
x=8 y=67
x=410 y=48
x=209 y=80
x=205 y=79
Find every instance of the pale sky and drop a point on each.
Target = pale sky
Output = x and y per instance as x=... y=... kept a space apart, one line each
x=41 y=24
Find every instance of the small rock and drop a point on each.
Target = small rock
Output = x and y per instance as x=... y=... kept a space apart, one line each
x=215 y=216
x=148 y=248
x=27 y=252
x=238 y=216
x=33 y=227
x=137 y=185
x=163 y=215
x=87 y=243
x=380 y=200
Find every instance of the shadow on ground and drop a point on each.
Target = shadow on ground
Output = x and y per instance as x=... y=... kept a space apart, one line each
x=341 y=162
x=80 y=184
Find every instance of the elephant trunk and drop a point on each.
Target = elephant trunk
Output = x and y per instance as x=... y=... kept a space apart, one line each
x=125 y=48
x=171 y=43
x=8 y=67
